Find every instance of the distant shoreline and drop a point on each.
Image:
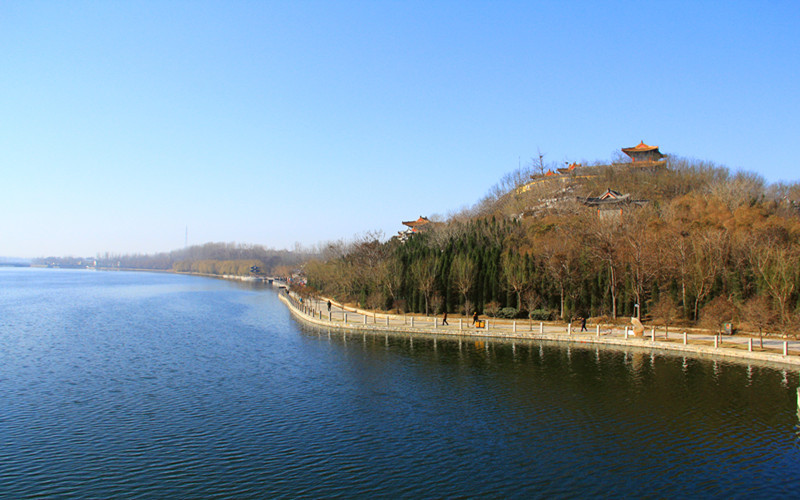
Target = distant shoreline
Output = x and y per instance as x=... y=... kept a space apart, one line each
x=142 y=270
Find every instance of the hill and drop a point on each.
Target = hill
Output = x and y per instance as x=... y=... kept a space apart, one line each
x=669 y=240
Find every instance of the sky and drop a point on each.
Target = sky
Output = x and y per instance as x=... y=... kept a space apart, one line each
x=125 y=125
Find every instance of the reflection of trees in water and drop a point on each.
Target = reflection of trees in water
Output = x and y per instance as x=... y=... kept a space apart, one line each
x=634 y=378
x=609 y=391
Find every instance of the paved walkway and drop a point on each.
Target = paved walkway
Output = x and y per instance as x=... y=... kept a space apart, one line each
x=782 y=350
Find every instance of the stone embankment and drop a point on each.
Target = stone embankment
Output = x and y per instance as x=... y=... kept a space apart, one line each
x=735 y=348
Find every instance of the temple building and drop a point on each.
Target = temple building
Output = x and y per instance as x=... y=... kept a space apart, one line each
x=643 y=153
x=643 y=157
x=569 y=169
x=414 y=226
x=611 y=203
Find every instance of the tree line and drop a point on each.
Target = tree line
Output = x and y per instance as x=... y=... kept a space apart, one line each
x=707 y=248
x=211 y=258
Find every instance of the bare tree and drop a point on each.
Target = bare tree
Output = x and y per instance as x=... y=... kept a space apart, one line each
x=641 y=253
x=757 y=312
x=676 y=251
x=515 y=275
x=390 y=275
x=706 y=261
x=537 y=163
x=604 y=237
x=561 y=262
x=462 y=273
x=742 y=189
x=532 y=301
x=716 y=313
x=437 y=303
x=775 y=260
x=424 y=272
x=283 y=271
x=666 y=310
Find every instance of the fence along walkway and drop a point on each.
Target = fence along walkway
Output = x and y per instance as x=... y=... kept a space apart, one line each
x=782 y=351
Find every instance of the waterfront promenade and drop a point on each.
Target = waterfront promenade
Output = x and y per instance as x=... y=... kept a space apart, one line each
x=735 y=347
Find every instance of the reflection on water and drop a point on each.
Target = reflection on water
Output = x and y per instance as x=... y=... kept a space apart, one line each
x=139 y=385
x=691 y=426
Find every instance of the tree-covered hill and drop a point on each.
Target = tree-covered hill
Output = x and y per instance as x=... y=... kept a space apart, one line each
x=702 y=245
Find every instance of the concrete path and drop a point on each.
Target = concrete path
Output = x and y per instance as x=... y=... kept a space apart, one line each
x=347 y=317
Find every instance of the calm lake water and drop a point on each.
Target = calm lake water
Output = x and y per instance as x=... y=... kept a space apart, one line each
x=117 y=385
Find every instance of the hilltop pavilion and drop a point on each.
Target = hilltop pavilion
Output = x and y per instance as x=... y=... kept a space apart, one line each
x=643 y=153
x=414 y=227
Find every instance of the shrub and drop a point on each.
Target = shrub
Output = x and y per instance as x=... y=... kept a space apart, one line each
x=716 y=313
x=508 y=313
x=491 y=309
x=541 y=314
x=376 y=300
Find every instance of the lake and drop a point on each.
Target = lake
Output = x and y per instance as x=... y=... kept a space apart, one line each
x=118 y=385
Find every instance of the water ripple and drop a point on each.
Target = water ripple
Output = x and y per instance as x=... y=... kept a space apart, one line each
x=137 y=386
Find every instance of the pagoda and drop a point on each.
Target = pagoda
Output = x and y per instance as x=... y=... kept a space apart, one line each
x=643 y=153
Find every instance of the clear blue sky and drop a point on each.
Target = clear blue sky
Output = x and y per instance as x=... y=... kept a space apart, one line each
x=122 y=123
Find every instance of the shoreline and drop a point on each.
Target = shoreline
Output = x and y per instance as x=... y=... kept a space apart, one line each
x=314 y=316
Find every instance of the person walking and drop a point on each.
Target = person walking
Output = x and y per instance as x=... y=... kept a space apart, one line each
x=583 y=324
x=444 y=319
x=474 y=317
x=329 y=306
